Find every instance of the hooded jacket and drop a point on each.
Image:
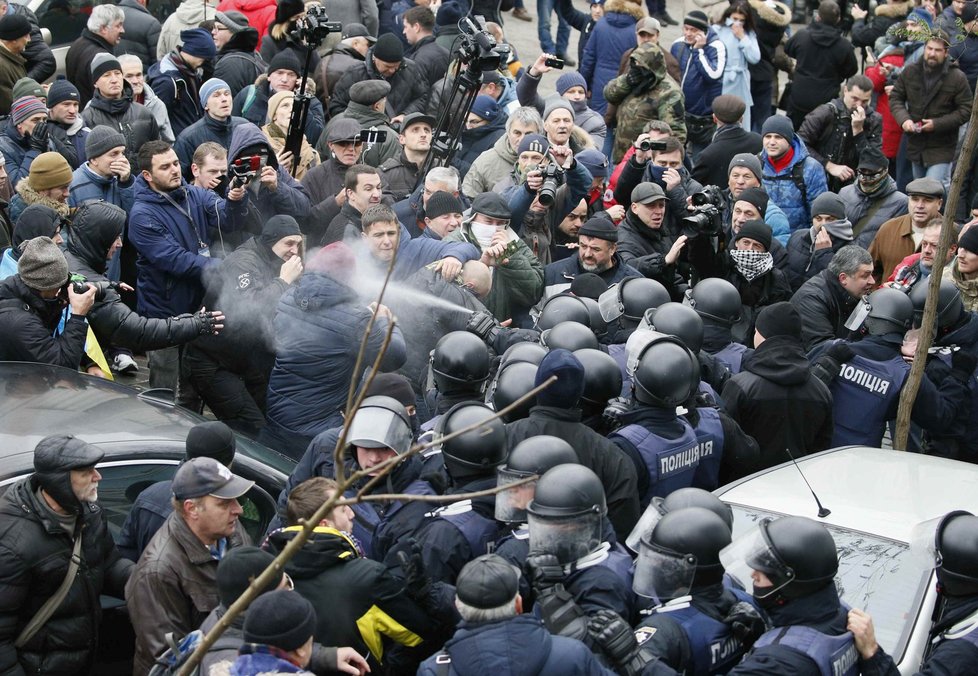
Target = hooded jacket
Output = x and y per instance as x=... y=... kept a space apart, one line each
x=237 y=62
x=142 y=33
x=612 y=36
x=409 y=87
x=781 y=189
x=33 y=562
x=256 y=111
x=130 y=119
x=177 y=85
x=771 y=20
x=777 y=400
x=823 y=59
x=38 y=222
x=824 y=306
x=489 y=168
x=885 y=203
x=29 y=323
x=188 y=14
x=289 y=198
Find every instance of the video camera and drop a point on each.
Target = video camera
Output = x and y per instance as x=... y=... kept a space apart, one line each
x=553 y=178
x=246 y=169
x=648 y=144
x=313 y=28
x=478 y=48
x=706 y=218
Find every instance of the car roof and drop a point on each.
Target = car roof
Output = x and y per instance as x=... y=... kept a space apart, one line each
x=883 y=492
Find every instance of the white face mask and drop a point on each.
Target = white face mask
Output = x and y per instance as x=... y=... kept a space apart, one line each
x=483 y=232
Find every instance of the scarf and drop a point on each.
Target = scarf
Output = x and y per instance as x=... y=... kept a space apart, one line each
x=752 y=264
x=841 y=229
x=779 y=164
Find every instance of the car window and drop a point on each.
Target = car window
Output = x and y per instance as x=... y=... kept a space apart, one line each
x=875 y=574
x=64 y=18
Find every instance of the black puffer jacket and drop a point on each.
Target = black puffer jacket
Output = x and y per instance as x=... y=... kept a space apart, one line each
x=142 y=33
x=823 y=59
x=93 y=230
x=824 y=306
x=28 y=323
x=132 y=120
x=205 y=129
x=34 y=554
x=804 y=262
x=409 y=87
x=777 y=400
x=238 y=63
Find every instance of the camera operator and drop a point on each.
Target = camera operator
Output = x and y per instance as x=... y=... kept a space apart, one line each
x=749 y=266
x=646 y=243
x=640 y=167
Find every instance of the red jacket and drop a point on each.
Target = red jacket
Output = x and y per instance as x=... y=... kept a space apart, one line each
x=892 y=133
x=260 y=13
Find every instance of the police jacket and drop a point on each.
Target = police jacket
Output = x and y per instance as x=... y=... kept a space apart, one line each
x=824 y=306
x=602 y=580
x=134 y=121
x=558 y=276
x=719 y=435
x=776 y=653
x=173 y=587
x=205 y=129
x=615 y=469
x=777 y=400
x=409 y=87
x=956 y=440
x=368 y=606
x=718 y=341
x=518 y=646
x=28 y=324
x=33 y=562
x=318 y=329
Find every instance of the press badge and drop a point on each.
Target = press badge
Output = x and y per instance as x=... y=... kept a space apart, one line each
x=204 y=250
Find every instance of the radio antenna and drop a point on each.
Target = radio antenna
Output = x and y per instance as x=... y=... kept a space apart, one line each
x=822 y=511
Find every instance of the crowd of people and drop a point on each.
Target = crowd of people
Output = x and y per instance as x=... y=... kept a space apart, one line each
x=660 y=281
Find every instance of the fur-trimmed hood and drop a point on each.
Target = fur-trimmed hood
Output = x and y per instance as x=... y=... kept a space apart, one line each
x=31 y=196
x=894 y=10
x=772 y=11
x=634 y=9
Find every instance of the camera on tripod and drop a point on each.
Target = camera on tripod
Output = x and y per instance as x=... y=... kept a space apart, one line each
x=553 y=178
x=706 y=217
x=478 y=49
x=313 y=28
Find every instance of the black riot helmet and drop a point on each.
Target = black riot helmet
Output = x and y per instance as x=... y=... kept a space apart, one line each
x=54 y=458
x=638 y=294
x=949 y=306
x=569 y=336
x=513 y=380
x=681 y=498
x=602 y=379
x=563 y=308
x=681 y=552
x=534 y=455
x=890 y=311
x=667 y=373
x=475 y=453
x=531 y=353
x=566 y=513
x=956 y=544
x=796 y=554
x=598 y=323
x=715 y=300
x=460 y=363
x=676 y=319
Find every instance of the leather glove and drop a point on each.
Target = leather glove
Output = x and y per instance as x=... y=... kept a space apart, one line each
x=963 y=363
x=207 y=322
x=840 y=352
x=39 y=137
x=745 y=623
x=826 y=367
x=614 y=410
x=635 y=76
x=650 y=265
x=608 y=631
x=483 y=325
x=417 y=584
x=544 y=571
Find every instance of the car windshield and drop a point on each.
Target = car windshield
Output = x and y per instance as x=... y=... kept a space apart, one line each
x=875 y=574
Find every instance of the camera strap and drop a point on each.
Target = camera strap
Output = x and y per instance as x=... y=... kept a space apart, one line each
x=201 y=244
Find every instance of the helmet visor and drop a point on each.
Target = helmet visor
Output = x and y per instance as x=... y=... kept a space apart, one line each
x=923 y=544
x=651 y=516
x=511 y=502
x=569 y=538
x=610 y=304
x=858 y=315
x=637 y=342
x=663 y=575
x=375 y=427
x=752 y=553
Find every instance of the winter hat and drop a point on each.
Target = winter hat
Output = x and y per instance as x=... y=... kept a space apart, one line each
x=233 y=20
x=54 y=458
x=599 y=228
x=26 y=86
x=729 y=108
x=277 y=227
x=969 y=13
x=872 y=158
x=595 y=161
x=238 y=569
x=343 y=129
x=281 y=619
x=557 y=104
x=921 y=15
x=780 y=125
x=287 y=9
x=779 y=319
x=24 y=107
x=487 y=582
x=588 y=285
x=369 y=92
x=829 y=204
x=37 y=220
x=755 y=196
x=757 y=230
x=61 y=90
x=449 y=14
x=49 y=170
x=566 y=391
x=568 y=80
x=336 y=260
x=389 y=48
x=393 y=385
x=101 y=139
x=697 y=19
x=197 y=42
x=357 y=30
x=14 y=26
x=211 y=439
x=747 y=161
x=969 y=240
x=104 y=63
x=284 y=60
x=209 y=87
x=485 y=107
x=274 y=102
x=441 y=203
x=536 y=143
x=42 y=266
x=491 y=204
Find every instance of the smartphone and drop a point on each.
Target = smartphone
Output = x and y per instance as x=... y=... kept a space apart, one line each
x=553 y=62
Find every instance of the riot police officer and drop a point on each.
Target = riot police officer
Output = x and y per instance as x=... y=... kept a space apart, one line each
x=513 y=380
x=679 y=567
x=459 y=532
x=602 y=382
x=563 y=307
x=569 y=336
x=949 y=544
x=460 y=366
x=790 y=566
x=678 y=499
x=623 y=305
x=866 y=388
x=676 y=319
x=718 y=303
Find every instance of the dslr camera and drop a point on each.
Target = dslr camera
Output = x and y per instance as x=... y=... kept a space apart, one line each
x=313 y=28
x=706 y=218
x=478 y=48
x=80 y=285
x=553 y=178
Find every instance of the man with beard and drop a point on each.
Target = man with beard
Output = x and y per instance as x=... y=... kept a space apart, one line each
x=597 y=248
x=930 y=101
x=899 y=237
x=401 y=173
x=873 y=199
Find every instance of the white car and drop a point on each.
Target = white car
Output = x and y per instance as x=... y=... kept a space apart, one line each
x=875 y=497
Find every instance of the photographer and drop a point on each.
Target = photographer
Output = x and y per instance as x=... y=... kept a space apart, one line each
x=640 y=168
x=570 y=86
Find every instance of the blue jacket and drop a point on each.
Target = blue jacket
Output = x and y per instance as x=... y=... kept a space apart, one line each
x=169 y=267
x=87 y=185
x=318 y=329
x=204 y=129
x=702 y=72
x=290 y=198
x=414 y=254
x=559 y=275
x=178 y=92
x=612 y=36
x=519 y=646
x=781 y=189
x=17 y=153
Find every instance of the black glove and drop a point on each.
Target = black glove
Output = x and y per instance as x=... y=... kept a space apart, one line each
x=614 y=410
x=544 y=571
x=483 y=325
x=745 y=623
x=840 y=352
x=207 y=322
x=417 y=584
x=322 y=660
x=826 y=367
x=607 y=630
x=963 y=363
x=651 y=265
x=635 y=76
x=39 y=137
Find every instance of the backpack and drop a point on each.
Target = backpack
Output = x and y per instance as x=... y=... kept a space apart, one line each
x=797 y=175
x=178 y=652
